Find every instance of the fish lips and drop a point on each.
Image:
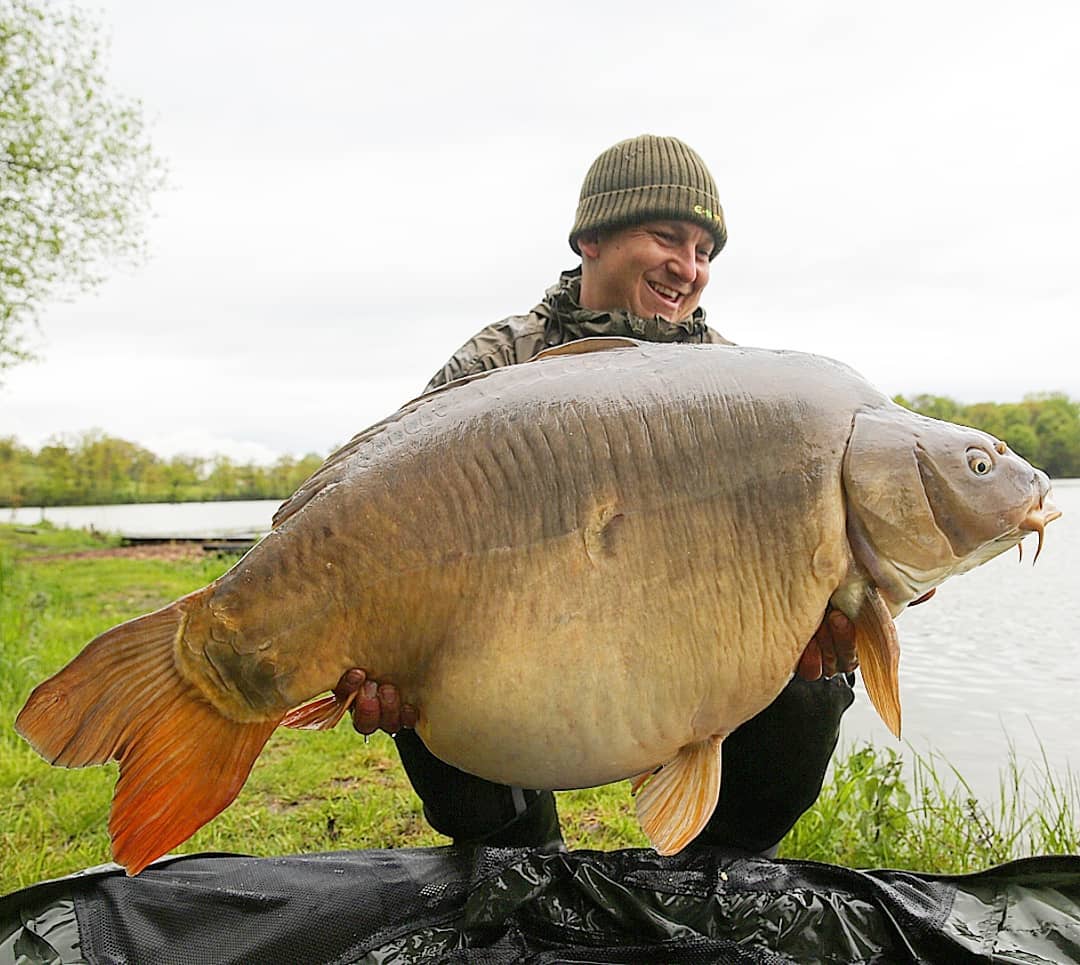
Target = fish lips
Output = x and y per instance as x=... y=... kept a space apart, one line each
x=1037 y=520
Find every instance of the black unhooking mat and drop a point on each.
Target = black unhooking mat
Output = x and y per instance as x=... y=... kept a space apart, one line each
x=512 y=905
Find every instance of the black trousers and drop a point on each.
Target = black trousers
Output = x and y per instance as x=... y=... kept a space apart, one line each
x=772 y=770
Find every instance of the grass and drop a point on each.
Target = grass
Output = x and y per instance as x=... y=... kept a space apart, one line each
x=872 y=814
x=320 y=792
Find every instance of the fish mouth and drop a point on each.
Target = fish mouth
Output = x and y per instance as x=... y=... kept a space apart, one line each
x=1037 y=519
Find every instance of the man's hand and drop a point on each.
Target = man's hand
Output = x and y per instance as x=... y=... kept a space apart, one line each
x=831 y=649
x=377 y=706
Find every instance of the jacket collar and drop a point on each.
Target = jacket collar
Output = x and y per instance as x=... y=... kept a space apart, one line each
x=566 y=320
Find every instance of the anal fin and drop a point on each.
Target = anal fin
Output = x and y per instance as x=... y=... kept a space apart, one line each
x=676 y=801
x=878 y=650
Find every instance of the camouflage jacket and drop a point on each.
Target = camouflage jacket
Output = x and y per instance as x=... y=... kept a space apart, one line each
x=558 y=319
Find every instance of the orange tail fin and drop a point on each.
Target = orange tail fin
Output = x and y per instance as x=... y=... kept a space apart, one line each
x=122 y=698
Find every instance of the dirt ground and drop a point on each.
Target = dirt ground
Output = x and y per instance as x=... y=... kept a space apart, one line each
x=144 y=551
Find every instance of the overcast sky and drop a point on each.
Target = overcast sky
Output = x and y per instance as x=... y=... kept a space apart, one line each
x=357 y=188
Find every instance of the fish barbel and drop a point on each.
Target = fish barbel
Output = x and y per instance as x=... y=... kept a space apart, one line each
x=657 y=529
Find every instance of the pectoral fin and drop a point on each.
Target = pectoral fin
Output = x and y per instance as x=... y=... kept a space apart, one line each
x=323 y=713
x=878 y=650
x=676 y=801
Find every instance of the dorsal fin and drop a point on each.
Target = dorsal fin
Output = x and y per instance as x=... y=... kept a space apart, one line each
x=583 y=346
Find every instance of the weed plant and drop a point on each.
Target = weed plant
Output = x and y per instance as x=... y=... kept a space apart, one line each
x=313 y=792
x=871 y=814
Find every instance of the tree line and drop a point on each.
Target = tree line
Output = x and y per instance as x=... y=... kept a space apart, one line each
x=94 y=468
x=1044 y=428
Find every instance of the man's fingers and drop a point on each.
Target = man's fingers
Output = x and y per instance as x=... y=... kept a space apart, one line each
x=377 y=706
x=390 y=709
x=843 y=630
x=845 y=656
x=831 y=649
x=828 y=661
x=810 y=662
x=366 y=711
x=349 y=682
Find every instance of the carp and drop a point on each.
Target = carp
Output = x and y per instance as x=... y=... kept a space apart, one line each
x=586 y=568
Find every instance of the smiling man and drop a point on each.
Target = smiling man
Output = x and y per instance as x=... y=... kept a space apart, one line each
x=657 y=268
x=648 y=225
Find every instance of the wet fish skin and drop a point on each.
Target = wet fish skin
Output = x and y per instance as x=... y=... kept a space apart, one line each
x=495 y=516
x=656 y=529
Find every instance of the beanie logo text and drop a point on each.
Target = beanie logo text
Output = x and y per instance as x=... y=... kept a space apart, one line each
x=705 y=212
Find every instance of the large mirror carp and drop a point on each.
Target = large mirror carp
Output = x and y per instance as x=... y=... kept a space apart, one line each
x=590 y=567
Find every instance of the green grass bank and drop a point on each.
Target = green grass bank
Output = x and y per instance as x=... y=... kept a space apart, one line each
x=321 y=792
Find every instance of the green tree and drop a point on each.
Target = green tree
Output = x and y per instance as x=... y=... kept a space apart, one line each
x=58 y=486
x=1058 y=427
x=109 y=468
x=222 y=481
x=1044 y=428
x=76 y=167
x=183 y=476
x=936 y=406
x=14 y=466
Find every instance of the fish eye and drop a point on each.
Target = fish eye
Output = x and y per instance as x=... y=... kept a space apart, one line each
x=979 y=461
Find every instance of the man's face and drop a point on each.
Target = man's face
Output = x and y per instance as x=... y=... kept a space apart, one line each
x=655 y=268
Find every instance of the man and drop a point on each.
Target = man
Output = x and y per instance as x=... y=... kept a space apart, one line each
x=649 y=223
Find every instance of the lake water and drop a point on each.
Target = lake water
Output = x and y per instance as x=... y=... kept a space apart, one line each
x=220 y=519
x=993 y=659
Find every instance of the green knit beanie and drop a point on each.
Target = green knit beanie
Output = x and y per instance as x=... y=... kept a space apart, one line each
x=648 y=178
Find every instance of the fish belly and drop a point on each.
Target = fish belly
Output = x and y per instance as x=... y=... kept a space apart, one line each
x=573 y=671
x=572 y=573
